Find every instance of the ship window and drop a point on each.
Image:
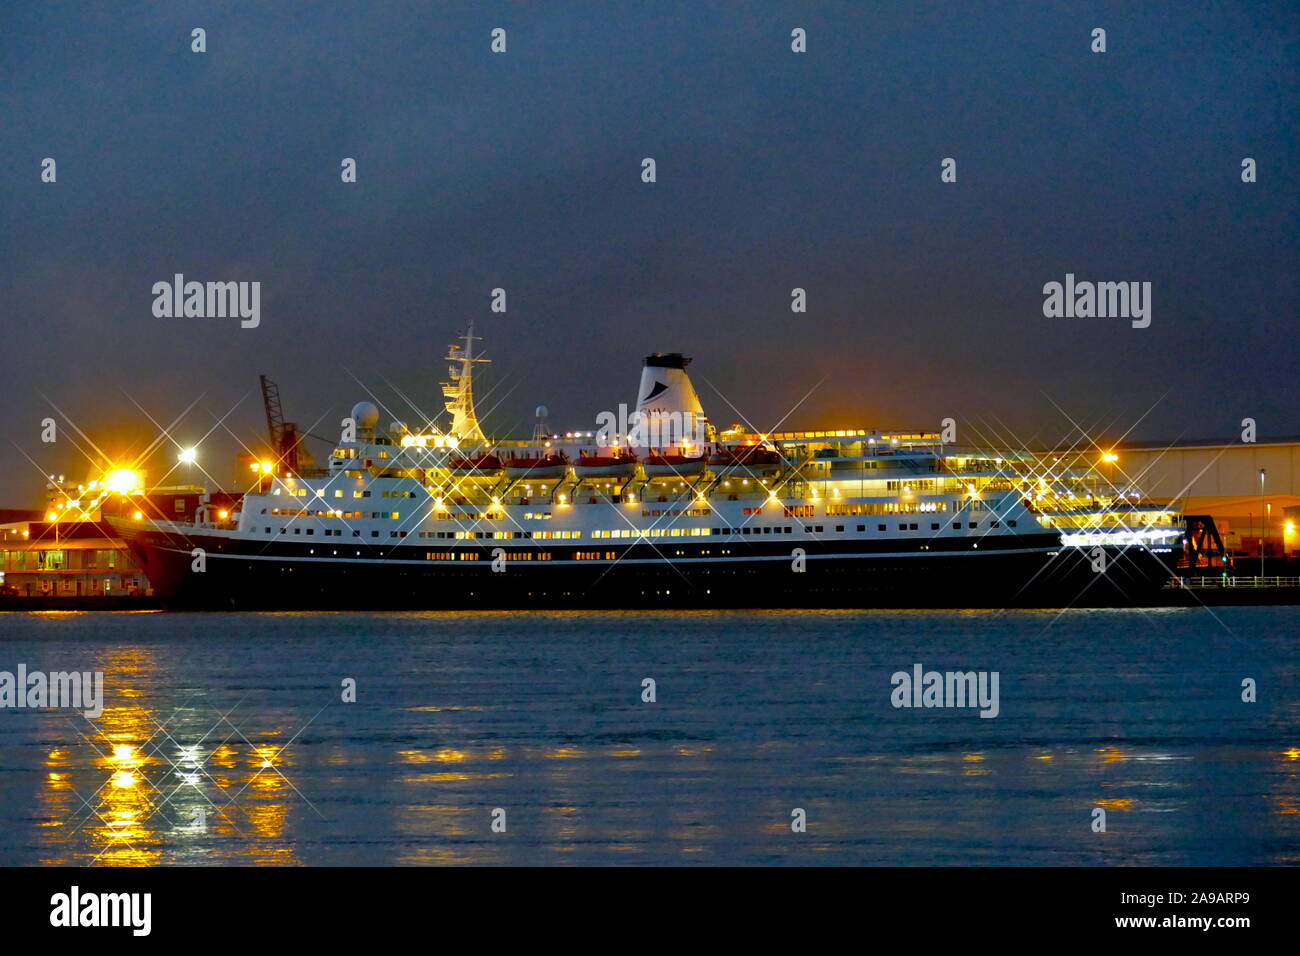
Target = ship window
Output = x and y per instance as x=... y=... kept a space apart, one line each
x=282 y=531
x=338 y=492
x=268 y=530
x=392 y=534
x=934 y=527
x=997 y=524
x=767 y=531
x=311 y=530
x=956 y=526
x=880 y=527
x=374 y=534
x=973 y=524
x=1012 y=523
x=297 y=530
x=356 y=534
x=839 y=527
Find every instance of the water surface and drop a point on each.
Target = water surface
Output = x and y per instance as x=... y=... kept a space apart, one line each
x=240 y=716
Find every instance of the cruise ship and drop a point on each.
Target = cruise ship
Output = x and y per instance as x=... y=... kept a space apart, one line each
x=654 y=507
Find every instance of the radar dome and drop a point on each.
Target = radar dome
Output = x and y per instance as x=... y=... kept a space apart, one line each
x=365 y=415
x=541 y=411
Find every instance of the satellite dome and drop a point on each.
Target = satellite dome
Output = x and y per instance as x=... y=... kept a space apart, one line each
x=365 y=414
x=541 y=411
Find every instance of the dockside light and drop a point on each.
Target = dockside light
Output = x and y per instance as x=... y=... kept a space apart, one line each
x=124 y=481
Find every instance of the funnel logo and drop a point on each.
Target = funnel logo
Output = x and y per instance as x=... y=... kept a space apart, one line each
x=668 y=413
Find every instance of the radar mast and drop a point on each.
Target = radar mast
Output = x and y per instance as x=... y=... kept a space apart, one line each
x=459 y=392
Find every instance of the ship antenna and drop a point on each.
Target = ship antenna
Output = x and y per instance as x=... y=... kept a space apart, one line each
x=459 y=392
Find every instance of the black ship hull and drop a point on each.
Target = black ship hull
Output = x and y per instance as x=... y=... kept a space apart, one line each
x=1008 y=572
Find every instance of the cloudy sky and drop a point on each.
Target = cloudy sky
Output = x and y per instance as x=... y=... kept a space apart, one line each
x=522 y=170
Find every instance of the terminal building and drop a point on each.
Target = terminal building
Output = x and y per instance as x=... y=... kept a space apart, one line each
x=67 y=550
x=1248 y=488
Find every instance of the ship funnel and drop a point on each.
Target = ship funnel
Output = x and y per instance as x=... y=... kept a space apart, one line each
x=669 y=411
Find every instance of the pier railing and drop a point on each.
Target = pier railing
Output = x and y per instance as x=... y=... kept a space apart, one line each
x=1254 y=581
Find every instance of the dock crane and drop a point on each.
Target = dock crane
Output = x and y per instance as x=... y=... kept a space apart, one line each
x=291 y=454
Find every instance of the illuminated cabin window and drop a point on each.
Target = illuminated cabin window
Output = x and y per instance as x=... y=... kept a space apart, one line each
x=916 y=484
x=887 y=508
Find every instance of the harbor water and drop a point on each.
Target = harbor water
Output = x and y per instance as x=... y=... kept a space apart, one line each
x=516 y=738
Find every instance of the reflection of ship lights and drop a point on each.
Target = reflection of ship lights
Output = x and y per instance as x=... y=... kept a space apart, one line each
x=1117 y=538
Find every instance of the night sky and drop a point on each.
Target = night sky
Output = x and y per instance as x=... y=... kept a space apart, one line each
x=523 y=170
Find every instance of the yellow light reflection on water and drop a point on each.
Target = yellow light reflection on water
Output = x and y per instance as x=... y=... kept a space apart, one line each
x=112 y=796
x=1116 y=803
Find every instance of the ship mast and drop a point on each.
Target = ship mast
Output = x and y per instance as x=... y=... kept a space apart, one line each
x=459 y=392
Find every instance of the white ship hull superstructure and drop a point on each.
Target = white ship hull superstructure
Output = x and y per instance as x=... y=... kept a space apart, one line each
x=849 y=517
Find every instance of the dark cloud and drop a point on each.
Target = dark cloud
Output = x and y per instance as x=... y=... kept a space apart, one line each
x=775 y=171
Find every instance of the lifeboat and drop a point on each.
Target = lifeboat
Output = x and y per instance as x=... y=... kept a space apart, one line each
x=476 y=465
x=746 y=459
x=621 y=465
x=540 y=466
x=661 y=466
